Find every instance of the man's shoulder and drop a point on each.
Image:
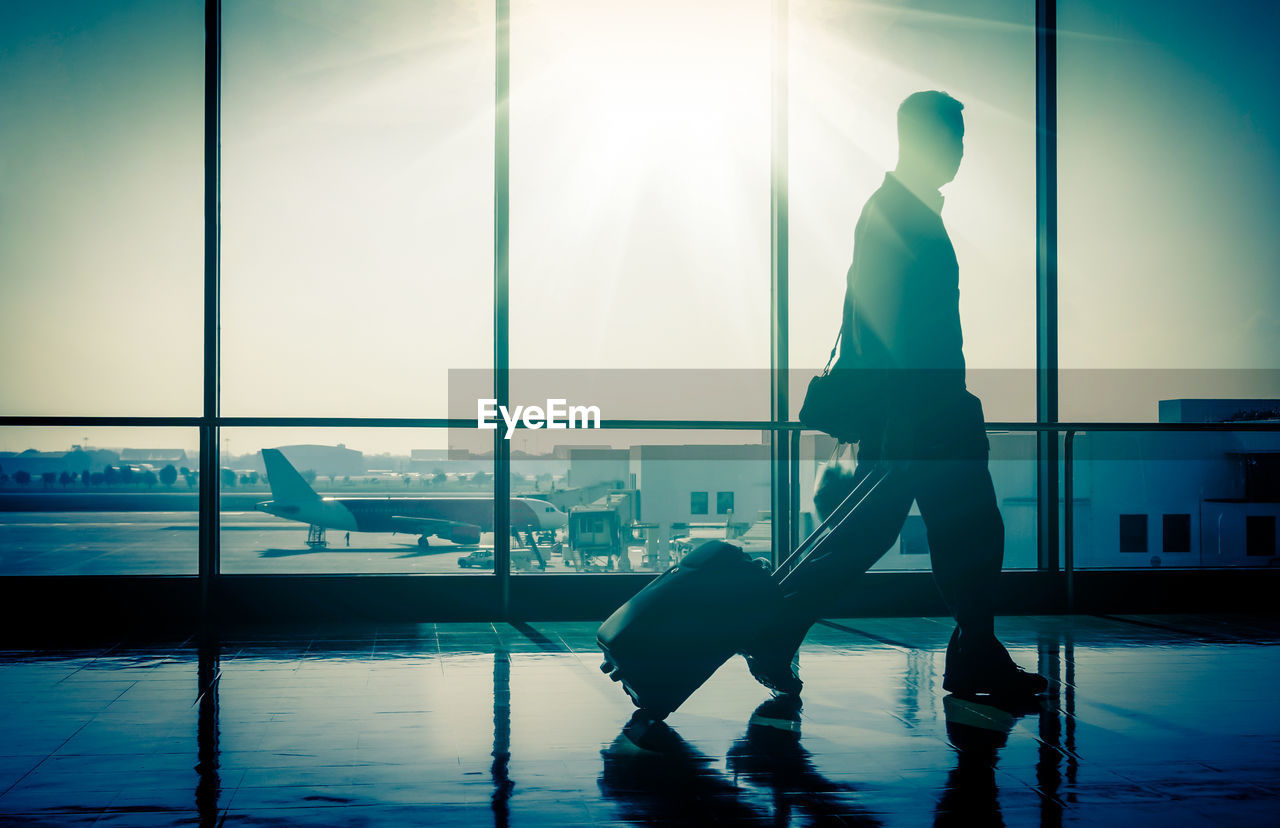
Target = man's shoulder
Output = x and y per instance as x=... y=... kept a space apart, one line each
x=892 y=208
x=882 y=212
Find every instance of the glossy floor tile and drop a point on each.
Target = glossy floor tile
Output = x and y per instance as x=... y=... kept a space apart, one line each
x=1166 y=720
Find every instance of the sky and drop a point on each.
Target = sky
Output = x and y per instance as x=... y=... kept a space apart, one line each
x=357 y=205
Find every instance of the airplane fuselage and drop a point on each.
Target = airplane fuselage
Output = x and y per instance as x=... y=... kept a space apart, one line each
x=374 y=514
x=470 y=515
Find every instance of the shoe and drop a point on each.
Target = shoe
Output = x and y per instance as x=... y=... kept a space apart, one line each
x=986 y=670
x=776 y=671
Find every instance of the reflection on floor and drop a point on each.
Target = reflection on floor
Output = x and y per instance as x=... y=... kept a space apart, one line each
x=1152 y=720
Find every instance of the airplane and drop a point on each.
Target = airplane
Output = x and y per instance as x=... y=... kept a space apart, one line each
x=459 y=519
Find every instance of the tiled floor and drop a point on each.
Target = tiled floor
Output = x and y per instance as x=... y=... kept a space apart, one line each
x=1153 y=720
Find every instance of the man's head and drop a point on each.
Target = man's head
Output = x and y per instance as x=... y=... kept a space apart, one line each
x=930 y=137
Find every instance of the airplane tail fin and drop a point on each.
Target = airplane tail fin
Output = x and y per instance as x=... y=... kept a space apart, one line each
x=286 y=484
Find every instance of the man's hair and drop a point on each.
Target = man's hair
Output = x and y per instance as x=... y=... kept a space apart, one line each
x=926 y=113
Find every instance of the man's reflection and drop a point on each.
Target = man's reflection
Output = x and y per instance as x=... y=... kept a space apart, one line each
x=770 y=756
x=654 y=775
x=977 y=731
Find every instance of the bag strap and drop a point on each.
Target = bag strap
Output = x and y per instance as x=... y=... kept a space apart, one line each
x=853 y=333
x=834 y=348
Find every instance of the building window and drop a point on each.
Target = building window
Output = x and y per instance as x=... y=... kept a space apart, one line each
x=1177 y=533
x=914 y=539
x=697 y=503
x=1260 y=535
x=724 y=503
x=1133 y=533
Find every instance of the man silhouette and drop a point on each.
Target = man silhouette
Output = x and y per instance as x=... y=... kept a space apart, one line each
x=902 y=320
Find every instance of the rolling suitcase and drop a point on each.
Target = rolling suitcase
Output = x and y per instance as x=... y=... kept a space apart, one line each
x=672 y=635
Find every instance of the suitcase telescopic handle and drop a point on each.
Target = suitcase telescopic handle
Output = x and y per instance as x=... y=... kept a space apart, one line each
x=834 y=521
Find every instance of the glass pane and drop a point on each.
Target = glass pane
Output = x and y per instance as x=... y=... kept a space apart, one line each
x=357 y=204
x=353 y=500
x=637 y=501
x=851 y=66
x=1012 y=466
x=640 y=193
x=99 y=501
x=101 y=210
x=1146 y=500
x=1168 y=126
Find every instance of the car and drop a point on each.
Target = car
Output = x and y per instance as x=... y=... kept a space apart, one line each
x=481 y=558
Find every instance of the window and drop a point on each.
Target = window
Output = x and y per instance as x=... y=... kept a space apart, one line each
x=99 y=501
x=101 y=217
x=724 y=503
x=397 y=500
x=357 y=205
x=1260 y=535
x=914 y=539
x=1133 y=533
x=640 y=147
x=1167 y=127
x=1177 y=533
x=697 y=503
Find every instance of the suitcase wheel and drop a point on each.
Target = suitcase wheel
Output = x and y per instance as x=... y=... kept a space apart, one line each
x=610 y=669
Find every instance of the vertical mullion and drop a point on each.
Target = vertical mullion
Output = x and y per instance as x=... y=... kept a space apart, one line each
x=209 y=552
x=501 y=312
x=1047 y=279
x=780 y=442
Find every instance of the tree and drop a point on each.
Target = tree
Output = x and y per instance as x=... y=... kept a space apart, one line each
x=22 y=477
x=253 y=477
x=149 y=478
x=244 y=480
x=126 y=473
x=228 y=478
x=192 y=478
x=169 y=475
x=65 y=479
x=4 y=478
x=85 y=476
x=97 y=478
x=109 y=475
x=440 y=478
x=309 y=475
x=407 y=481
x=49 y=478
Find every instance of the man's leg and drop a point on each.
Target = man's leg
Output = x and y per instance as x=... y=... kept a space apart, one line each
x=817 y=584
x=966 y=538
x=966 y=544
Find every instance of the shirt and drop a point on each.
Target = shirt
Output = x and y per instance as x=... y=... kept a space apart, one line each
x=902 y=299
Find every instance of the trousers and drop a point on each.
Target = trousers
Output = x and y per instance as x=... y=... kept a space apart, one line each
x=939 y=462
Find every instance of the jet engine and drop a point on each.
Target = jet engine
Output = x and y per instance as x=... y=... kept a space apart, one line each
x=465 y=534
